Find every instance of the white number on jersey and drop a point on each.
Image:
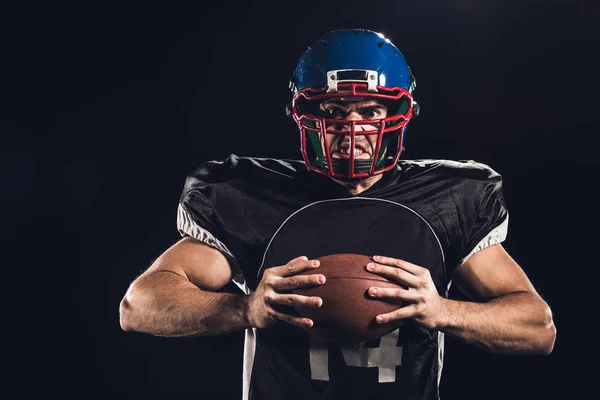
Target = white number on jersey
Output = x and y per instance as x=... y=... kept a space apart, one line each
x=385 y=357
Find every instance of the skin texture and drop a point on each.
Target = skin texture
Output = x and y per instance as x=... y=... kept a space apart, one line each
x=506 y=314
x=194 y=271
x=176 y=295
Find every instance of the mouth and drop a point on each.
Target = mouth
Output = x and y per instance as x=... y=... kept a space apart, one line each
x=361 y=152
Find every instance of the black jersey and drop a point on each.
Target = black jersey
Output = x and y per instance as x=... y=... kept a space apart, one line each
x=262 y=213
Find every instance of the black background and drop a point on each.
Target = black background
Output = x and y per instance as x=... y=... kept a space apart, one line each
x=105 y=107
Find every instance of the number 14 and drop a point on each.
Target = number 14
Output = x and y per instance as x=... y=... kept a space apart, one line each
x=385 y=357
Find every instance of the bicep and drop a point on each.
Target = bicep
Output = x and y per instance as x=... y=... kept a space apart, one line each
x=201 y=264
x=491 y=273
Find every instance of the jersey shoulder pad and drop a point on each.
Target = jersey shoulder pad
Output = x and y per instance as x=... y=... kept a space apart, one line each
x=452 y=168
x=235 y=167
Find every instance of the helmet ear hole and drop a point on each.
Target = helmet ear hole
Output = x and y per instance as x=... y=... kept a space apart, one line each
x=416 y=109
x=288 y=110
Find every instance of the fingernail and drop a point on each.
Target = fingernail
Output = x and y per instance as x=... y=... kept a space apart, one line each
x=318 y=302
x=315 y=263
x=380 y=319
x=376 y=258
x=370 y=266
x=321 y=279
x=373 y=291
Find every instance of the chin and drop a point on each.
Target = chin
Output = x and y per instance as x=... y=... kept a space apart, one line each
x=351 y=180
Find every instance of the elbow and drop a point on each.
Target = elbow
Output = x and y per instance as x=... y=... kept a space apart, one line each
x=550 y=344
x=537 y=339
x=546 y=336
x=549 y=335
x=544 y=345
x=125 y=315
x=131 y=308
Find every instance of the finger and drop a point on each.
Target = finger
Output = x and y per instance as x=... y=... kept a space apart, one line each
x=396 y=274
x=299 y=281
x=395 y=294
x=297 y=259
x=297 y=300
x=295 y=266
x=401 y=313
x=290 y=319
x=397 y=262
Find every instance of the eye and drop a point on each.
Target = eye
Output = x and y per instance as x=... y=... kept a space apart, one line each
x=371 y=112
x=335 y=112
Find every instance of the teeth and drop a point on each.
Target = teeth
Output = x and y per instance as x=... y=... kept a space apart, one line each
x=357 y=152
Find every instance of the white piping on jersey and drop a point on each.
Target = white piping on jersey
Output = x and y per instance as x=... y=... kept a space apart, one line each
x=250 y=338
x=496 y=235
x=348 y=199
x=440 y=357
x=185 y=224
x=255 y=159
x=248 y=362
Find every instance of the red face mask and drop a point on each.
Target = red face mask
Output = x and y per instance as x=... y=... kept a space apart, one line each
x=351 y=134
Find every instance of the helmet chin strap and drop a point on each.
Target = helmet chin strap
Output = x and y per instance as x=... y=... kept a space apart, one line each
x=342 y=166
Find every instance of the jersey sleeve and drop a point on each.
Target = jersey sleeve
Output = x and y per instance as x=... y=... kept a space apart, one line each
x=196 y=218
x=490 y=223
x=200 y=210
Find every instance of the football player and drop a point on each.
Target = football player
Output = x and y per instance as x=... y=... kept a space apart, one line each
x=260 y=222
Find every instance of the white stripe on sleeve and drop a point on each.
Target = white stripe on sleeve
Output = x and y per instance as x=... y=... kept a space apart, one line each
x=187 y=225
x=497 y=235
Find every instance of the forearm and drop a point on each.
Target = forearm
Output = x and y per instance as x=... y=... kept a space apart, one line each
x=518 y=323
x=150 y=306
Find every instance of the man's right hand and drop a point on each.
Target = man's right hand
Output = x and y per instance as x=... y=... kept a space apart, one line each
x=274 y=290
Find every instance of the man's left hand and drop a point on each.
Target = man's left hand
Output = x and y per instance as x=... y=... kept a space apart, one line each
x=418 y=295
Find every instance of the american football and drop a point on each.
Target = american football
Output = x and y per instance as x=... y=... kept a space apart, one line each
x=348 y=312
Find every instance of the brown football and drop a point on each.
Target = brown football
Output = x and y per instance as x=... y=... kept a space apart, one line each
x=348 y=312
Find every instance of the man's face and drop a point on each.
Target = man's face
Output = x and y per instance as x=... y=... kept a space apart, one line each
x=355 y=110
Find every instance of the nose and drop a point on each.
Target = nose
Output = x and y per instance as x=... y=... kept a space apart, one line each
x=353 y=116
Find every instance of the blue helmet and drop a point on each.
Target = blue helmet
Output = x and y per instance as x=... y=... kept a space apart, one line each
x=352 y=65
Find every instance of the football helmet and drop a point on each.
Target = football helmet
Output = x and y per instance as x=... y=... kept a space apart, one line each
x=349 y=65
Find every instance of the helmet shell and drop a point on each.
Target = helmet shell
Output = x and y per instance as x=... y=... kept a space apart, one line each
x=352 y=49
